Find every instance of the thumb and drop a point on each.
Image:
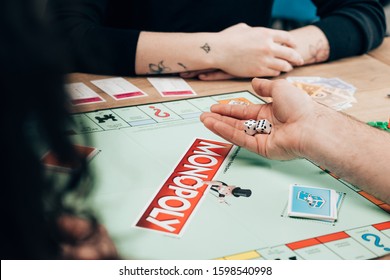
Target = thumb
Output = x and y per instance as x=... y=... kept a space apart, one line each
x=262 y=87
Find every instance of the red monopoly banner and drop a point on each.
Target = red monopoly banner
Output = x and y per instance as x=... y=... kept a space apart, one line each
x=181 y=193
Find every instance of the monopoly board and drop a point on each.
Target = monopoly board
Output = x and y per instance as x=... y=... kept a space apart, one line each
x=152 y=168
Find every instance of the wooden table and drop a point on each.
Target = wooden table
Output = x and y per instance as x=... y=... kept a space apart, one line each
x=383 y=52
x=369 y=73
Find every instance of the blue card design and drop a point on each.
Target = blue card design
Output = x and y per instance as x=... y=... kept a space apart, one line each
x=313 y=202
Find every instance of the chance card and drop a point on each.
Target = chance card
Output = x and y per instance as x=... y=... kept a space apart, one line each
x=119 y=88
x=174 y=86
x=80 y=94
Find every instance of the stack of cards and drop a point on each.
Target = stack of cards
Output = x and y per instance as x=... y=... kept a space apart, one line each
x=314 y=203
x=332 y=92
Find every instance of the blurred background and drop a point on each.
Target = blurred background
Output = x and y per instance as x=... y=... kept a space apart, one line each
x=291 y=14
x=288 y=18
x=387 y=10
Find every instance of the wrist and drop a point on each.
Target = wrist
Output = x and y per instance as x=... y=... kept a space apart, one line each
x=311 y=44
x=317 y=134
x=208 y=45
x=192 y=51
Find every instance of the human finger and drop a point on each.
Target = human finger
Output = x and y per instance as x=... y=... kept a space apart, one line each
x=235 y=123
x=230 y=133
x=280 y=89
x=267 y=72
x=283 y=38
x=288 y=54
x=280 y=65
x=262 y=87
x=194 y=73
x=241 y=112
x=215 y=75
x=188 y=74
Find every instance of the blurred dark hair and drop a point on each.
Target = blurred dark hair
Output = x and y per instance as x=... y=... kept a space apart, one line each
x=34 y=119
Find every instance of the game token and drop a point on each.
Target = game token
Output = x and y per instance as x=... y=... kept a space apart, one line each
x=224 y=190
x=381 y=125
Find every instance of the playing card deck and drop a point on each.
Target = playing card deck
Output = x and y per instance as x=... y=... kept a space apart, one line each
x=314 y=203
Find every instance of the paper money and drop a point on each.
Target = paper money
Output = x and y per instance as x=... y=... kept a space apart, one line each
x=332 y=92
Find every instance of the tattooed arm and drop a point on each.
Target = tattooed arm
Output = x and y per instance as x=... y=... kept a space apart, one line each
x=164 y=53
x=237 y=51
x=346 y=28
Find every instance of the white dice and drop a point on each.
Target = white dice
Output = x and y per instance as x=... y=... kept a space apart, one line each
x=251 y=127
x=264 y=127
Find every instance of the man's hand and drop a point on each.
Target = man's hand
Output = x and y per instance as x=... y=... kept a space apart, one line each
x=290 y=112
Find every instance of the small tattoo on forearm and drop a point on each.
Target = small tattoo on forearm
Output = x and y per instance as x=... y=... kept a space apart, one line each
x=182 y=65
x=158 y=68
x=206 y=48
x=319 y=52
